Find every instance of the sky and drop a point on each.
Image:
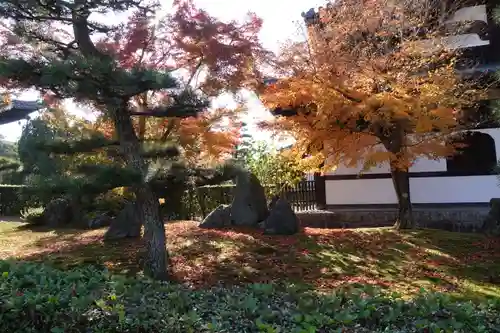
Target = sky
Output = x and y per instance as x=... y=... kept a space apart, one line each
x=281 y=19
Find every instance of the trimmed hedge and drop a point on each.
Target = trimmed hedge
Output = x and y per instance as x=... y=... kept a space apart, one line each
x=39 y=298
x=11 y=199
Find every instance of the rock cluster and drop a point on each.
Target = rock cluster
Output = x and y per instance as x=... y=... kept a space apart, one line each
x=249 y=208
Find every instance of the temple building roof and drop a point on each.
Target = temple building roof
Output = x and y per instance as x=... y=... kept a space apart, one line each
x=17 y=110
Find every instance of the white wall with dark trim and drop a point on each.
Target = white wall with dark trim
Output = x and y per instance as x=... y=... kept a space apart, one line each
x=438 y=187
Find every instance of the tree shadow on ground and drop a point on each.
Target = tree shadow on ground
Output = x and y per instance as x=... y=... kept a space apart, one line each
x=123 y=256
x=69 y=247
x=403 y=261
x=322 y=258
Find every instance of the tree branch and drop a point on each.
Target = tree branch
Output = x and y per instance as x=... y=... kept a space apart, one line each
x=169 y=129
x=177 y=111
x=80 y=14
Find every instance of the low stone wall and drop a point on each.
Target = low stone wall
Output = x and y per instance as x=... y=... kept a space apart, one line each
x=464 y=219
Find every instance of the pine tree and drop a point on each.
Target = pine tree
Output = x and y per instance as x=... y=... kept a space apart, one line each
x=244 y=146
x=50 y=46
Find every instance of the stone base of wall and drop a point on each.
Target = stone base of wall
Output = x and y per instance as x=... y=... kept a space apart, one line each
x=463 y=219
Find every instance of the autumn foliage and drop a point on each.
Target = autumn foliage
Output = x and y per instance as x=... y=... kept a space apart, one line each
x=374 y=83
x=210 y=56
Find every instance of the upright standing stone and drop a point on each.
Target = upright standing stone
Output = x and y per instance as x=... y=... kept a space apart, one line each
x=220 y=217
x=491 y=224
x=282 y=220
x=249 y=206
x=126 y=225
x=99 y=221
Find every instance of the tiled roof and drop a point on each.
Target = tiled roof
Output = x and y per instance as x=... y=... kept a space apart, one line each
x=24 y=105
x=17 y=110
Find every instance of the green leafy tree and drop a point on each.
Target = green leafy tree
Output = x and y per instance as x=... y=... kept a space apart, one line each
x=61 y=59
x=8 y=149
x=33 y=160
x=8 y=160
x=274 y=168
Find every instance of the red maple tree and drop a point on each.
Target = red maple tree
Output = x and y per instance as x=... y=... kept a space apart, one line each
x=211 y=56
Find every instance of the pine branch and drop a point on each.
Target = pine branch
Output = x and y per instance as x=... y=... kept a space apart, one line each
x=168 y=151
x=90 y=79
x=73 y=185
x=112 y=174
x=176 y=111
x=92 y=179
x=89 y=74
x=155 y=149
x=81 y=146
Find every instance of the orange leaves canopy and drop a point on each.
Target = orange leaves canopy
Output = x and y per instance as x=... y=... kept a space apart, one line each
x=361 y=94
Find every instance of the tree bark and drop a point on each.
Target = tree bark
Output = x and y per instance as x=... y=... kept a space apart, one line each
x=148 y=206
x=401 y=181
x=394 y=141
x=155 y=264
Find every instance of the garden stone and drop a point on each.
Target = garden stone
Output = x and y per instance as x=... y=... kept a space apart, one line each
x=273 y=201
x=491 y=224
x=126 y=225
x=58 y=213
x=100 y=221
x=249 y=206
x=220 y=217
x=282 y=220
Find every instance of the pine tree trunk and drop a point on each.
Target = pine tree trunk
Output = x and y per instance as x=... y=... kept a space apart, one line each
x=401 y=181
x=148 y=206
x=155 y=264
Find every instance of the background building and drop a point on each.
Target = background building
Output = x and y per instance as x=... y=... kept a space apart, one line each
x=457 y=189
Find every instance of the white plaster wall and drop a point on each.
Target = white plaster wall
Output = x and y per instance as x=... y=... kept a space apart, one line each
x=469 y=189
x=465 y=14
x=423 y=190
x=360 y=191
x=454 y=189
x=471 y=13
x=420 y=165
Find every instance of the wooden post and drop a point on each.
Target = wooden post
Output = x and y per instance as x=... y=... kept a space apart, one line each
x=320 y=190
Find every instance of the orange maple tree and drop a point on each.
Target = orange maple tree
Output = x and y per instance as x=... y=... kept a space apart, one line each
x=374 y=83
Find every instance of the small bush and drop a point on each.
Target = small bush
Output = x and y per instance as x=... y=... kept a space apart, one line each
x=33 y=215
x=11 y=199
x=38 y=298
x=112 y=201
